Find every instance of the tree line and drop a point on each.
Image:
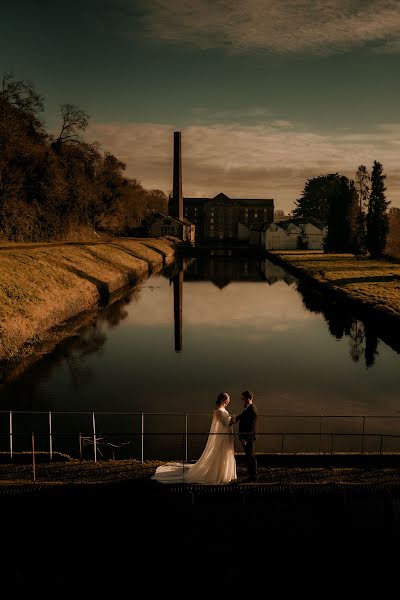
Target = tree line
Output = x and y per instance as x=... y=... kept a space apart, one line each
x=354 y=210
x=53 y=186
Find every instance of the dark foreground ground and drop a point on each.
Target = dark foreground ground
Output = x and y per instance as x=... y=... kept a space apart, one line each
x=272 y=537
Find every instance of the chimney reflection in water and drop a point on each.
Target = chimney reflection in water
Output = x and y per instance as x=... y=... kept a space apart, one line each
x=178 y=293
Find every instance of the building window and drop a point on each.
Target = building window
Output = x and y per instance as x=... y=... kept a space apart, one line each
x=255 y=215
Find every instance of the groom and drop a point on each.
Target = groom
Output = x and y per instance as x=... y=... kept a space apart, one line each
x=247 y=433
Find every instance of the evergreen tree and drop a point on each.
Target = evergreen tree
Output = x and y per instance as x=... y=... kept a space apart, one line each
x=362 y=181
x=377 y=216
x=339 y=237
x=316 y=197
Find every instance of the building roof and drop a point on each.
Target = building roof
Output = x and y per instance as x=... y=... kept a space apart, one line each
x=260 y=226
x=301 y=221
x=305 y=220
x=160 y=215
x=248 y=201
x=242 y=201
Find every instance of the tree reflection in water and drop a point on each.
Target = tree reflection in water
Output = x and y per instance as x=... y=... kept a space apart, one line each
x=362 y=335
x=87 y=336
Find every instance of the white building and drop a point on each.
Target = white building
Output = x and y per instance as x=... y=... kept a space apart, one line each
x=294 y=234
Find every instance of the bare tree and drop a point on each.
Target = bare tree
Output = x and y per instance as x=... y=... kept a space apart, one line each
x=74 y=120
x=21 y=94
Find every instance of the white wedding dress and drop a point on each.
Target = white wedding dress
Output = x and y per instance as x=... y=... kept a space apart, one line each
x=216 y=465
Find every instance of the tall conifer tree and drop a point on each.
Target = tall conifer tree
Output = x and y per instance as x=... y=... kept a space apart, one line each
x=362 y=181
x=377 y=216
x=339 y=238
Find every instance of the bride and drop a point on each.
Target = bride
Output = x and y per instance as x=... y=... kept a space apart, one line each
x=217 y=463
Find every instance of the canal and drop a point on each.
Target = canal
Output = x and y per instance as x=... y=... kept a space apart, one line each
x=203 y=326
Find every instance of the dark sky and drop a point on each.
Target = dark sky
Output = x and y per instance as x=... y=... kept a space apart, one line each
x=267 y=93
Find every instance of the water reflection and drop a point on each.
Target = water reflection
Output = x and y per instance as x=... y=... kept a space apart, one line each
x=222 y=271
x=363 y=335
x=247 y=323
x=22 y=380
x=178 y=310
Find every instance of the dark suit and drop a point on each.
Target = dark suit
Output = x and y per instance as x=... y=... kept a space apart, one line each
x=247 y=435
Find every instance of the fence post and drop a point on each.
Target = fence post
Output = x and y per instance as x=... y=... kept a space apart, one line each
x=94 y=437
x=380 y=447
x=51 y=435
x=331 y=443
x=363 y=434
x=320 y=433
x=80 y=455
x=11 y=435
x=283 y=439
x=33 y=458
x=183 y=461
x=186 y=437
x=142 y=437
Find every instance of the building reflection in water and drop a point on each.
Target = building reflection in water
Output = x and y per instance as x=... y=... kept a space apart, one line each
x=178 y=304
x=221 y=271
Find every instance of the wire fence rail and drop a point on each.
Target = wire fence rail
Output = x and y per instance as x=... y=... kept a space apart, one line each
x=97 y=440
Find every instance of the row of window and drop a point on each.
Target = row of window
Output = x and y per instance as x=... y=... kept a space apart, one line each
x=246 y=211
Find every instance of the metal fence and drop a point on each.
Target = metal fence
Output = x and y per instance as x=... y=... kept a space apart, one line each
x=321 y=435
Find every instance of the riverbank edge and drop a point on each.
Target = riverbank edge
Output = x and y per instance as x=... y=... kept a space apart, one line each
x=293 y=471
x=360 y=305
x=140 y=258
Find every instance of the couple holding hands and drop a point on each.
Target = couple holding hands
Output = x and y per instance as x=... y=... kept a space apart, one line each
x=217 y=464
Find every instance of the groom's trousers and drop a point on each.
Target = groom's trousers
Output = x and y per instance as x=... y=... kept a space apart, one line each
x=250 y=459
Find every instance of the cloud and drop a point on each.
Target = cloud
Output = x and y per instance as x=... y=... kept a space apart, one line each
x=265 y=160
x=322 y=26
x=253 y=113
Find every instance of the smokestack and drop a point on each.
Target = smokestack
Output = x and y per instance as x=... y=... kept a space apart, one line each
x=177 y=199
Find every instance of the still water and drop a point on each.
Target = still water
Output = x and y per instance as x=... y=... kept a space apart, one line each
x=219 y=324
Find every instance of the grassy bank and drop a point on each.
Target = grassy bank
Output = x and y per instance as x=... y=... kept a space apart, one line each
x=44 y=285
x=372 y=284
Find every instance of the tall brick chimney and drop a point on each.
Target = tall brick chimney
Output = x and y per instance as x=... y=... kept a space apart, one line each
x=176 y=206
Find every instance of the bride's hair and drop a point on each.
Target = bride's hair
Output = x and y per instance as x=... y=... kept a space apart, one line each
x=222 y=398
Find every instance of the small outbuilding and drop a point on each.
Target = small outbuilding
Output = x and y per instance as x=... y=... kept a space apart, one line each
x=163 y=225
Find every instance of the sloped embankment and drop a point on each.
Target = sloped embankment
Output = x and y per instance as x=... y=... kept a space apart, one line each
x=373 y=285
x=44 y=285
